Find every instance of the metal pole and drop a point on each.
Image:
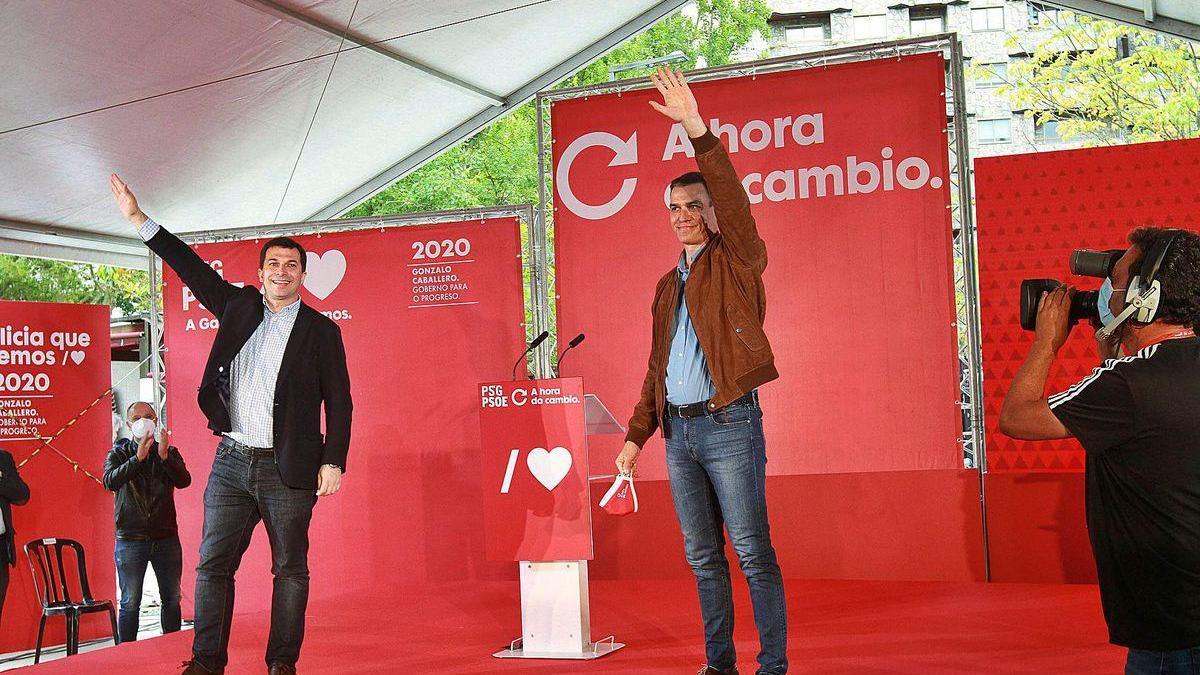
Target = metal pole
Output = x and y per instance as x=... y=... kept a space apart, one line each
x=539 y=237
x=970 y=272
x=848 y=54
x=155 y=322
x=351 y=224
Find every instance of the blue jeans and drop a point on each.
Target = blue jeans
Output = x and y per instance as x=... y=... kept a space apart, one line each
x=717 y=465
x=1177 y=662
x=243 y=489
x=132 y=557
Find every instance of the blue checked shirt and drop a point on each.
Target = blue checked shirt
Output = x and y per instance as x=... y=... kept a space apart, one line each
x=688 y=379
x=254 y=371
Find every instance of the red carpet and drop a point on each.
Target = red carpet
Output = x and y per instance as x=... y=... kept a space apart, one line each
x=859 y=627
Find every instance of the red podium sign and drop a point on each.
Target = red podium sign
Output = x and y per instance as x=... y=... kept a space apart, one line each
x=535 y=463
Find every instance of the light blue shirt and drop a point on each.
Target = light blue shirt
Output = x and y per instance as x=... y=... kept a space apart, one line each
x=688 y=379
x=255 y=370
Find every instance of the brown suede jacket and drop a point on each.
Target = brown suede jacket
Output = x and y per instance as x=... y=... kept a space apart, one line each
x=724 y=296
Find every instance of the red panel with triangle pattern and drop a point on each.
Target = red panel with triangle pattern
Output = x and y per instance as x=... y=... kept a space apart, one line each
x=1032 y=211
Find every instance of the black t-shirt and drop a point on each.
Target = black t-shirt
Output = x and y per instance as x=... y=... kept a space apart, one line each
x=1138 y=419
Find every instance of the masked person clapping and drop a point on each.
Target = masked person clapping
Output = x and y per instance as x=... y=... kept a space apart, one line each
x=144 y=472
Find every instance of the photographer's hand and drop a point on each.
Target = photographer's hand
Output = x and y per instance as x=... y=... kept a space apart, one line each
x=1054 y=310
x=1026 y=414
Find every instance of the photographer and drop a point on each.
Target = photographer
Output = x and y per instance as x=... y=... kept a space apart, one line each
x=1136 y=417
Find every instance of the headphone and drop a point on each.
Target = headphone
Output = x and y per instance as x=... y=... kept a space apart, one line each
x=1145 y=291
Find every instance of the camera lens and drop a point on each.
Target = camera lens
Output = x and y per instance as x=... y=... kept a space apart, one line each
x=1083 y=306
x=1031 y=293
x=1089 y=263
x=1083 y=303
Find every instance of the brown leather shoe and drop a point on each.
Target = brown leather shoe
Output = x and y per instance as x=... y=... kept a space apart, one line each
x=193 y=668
x=709 y=670
x=281 y=669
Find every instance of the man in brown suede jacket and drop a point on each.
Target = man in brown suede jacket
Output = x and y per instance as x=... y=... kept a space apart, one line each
x=707 y=357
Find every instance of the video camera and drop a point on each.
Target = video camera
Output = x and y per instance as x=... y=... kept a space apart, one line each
x=1084 y=262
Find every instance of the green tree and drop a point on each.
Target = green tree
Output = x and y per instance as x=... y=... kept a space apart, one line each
x=499 y=164
x=1105 y=82
x=54 y=281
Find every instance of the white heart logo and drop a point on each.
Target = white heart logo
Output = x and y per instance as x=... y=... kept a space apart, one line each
x=549 y=468
x=325 y=272
x=78 y=357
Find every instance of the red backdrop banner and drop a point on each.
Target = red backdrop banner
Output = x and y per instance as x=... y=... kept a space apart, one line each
x=1033 y=210
x=426 y=312
x=847 y=170
x=54 y=368
x=535 y=470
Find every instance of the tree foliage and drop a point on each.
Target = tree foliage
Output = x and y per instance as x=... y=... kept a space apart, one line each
x=54 y=281
x=1105 y=82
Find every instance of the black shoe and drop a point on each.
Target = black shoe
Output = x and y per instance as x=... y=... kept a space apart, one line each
x=709 y=670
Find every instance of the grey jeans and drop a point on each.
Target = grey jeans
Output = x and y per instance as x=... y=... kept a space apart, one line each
x=244 y=488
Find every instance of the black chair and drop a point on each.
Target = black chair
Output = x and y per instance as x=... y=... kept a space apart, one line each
x=54 y=591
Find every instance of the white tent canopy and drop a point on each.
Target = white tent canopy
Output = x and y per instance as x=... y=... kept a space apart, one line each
x=207 y=108
x=1180 y=18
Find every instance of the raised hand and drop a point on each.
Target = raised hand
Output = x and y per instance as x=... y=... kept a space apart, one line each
x=125 y=200
x=678 y=102
x=143 y=448
x=164 y=445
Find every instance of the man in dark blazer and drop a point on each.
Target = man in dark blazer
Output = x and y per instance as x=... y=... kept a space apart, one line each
x=274 y=362
x=13 y=492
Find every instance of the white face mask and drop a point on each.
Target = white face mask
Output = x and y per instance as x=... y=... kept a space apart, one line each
x=142 y=428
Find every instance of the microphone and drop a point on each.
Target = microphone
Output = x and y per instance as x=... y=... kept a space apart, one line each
x=532 y=346
x=571 y=345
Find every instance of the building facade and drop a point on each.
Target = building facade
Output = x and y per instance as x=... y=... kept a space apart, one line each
x=984 y=26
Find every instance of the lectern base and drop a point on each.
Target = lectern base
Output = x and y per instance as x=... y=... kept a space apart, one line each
x=603 y=648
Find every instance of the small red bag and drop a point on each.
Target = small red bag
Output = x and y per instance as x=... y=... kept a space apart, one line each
x=621 y=498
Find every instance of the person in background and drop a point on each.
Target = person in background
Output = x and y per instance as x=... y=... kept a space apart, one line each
x=13 y=492
x=144 y=472
x=1135 y=416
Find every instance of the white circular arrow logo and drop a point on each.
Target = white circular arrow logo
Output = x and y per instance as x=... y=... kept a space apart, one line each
x=626 y=153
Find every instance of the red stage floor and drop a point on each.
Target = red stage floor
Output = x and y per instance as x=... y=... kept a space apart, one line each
x=857 y=627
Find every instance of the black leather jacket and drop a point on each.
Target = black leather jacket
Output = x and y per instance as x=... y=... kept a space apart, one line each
x=145 y=506
x=13 y=492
